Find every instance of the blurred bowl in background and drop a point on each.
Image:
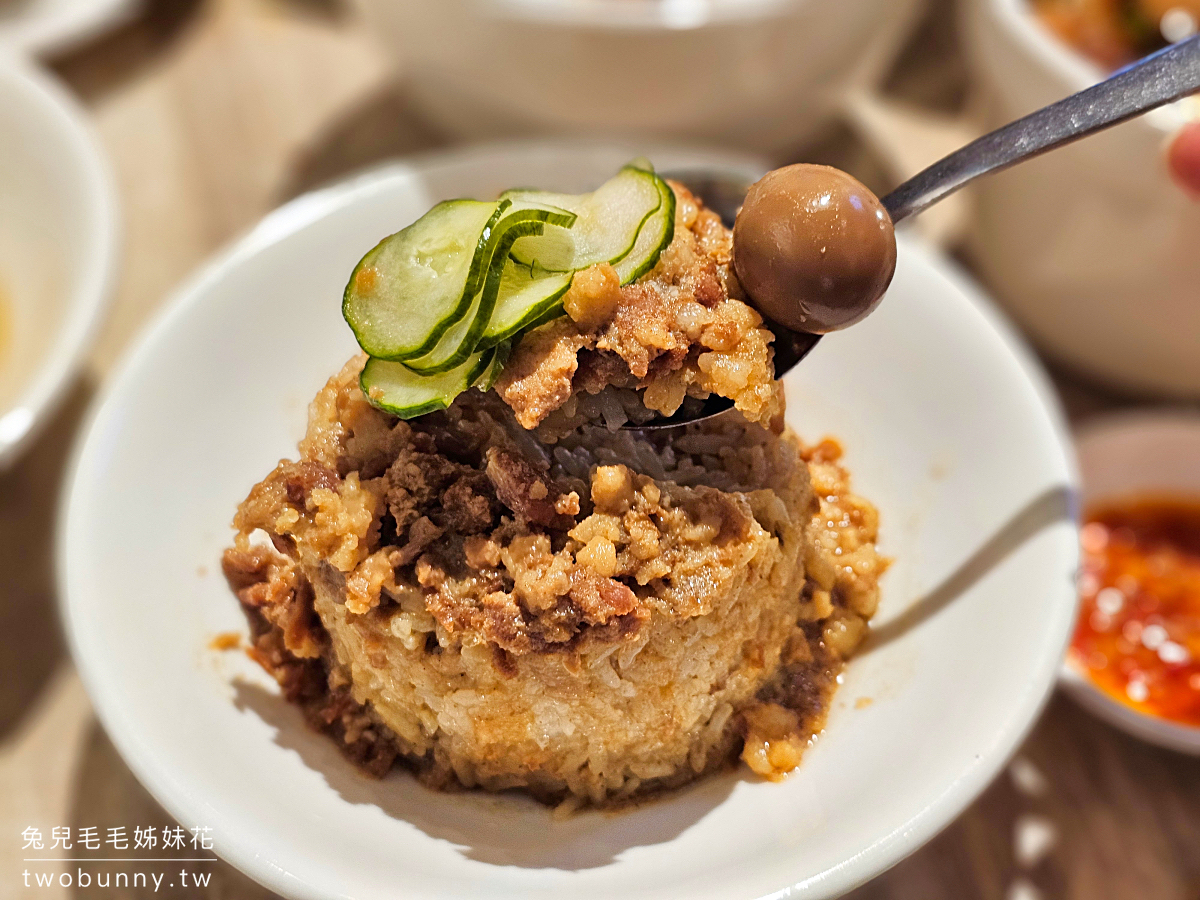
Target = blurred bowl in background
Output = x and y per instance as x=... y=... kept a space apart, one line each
x=58 y=242
x=753 y=74
x=1092 y=248
x=44 y=27
x=1123 y=455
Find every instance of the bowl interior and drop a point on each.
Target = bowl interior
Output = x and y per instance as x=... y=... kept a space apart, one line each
x=1060 y=67
x=639 y=14
x=56 y=239
x=1144 y=452
x=976 y=498
x=52 y=26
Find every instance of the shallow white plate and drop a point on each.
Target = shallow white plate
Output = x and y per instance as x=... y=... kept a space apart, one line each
x=950 y=429
x=47 y=27
x=58 y=246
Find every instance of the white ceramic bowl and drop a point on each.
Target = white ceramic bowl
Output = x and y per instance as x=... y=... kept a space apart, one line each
x=1092 y=247
x=1124 y=454
x=758 y=74
x=58 y=243
x=47 y=27
x=950 y=429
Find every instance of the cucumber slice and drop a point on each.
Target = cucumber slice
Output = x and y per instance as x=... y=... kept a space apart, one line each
x=412 y=286
x=452 y=350
x=488 y=379
x=610 y=219
x=652 y=239
x=530 y=295
x=525 y=296
x=460 y=341
x=438 y=305
x=394 y=388
x=553 y=251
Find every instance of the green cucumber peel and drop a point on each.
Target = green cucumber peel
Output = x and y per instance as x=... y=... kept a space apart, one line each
x=392 y=387
x=488 y=379
x=655 y=236
x=613 y=215
x=382 y=322
x=517 y=225
x=525 y=296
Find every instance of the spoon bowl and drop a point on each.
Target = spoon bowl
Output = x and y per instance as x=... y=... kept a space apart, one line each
x=723 y=193
x=1154 y=81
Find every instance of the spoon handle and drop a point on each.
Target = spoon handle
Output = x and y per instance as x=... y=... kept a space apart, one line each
x=1152 y=82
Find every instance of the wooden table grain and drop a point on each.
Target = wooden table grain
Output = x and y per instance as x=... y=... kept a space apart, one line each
x=215 y=111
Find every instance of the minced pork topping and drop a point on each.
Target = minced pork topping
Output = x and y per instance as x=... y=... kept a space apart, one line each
x=681 y=330
x=421 y=542
x=514 y=592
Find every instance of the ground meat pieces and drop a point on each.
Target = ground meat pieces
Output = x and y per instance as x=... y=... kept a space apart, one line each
x=598 y=371
x=503 y=623
x=414 y=482
x=600 y=598
x=469 y=505
x=524 y=490
x=272 y=586
x=301 y=478
x=454 y=496
x=642 y=328
x=537 y=380
x=421 y=534
x=651 y=335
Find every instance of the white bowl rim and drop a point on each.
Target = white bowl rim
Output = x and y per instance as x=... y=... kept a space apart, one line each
x=304 y=209
x=1162 y=732
x=49 y=35
x=1070 y=65
x=1106 y=424
x=92 y=290
x=641 y=15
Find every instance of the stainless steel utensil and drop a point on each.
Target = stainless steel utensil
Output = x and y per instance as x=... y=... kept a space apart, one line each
x=1152 y=82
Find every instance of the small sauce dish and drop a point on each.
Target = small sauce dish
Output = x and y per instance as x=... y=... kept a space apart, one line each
x=1132 y=660
x=58 y=246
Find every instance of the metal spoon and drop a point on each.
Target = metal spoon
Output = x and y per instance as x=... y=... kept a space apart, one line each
x=1152 y=82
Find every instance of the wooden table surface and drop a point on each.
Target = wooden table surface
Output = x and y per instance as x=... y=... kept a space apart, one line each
x=215 y=111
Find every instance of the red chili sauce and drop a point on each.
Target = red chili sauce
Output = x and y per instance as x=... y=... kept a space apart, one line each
x=1138 y=634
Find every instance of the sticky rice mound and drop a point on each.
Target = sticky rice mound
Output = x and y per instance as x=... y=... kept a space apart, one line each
x=517 y=593
x=589 y=619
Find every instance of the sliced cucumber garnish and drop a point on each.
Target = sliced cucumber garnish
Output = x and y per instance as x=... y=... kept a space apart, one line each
x=412 y=286
x=438 y=305
x=525 y=295
x=652 y=240
x=454 y=347
x=532 y=293
x=553 y=251
x=461 y=340
x=610 y=218
x=488 y=379
x=396 y=389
